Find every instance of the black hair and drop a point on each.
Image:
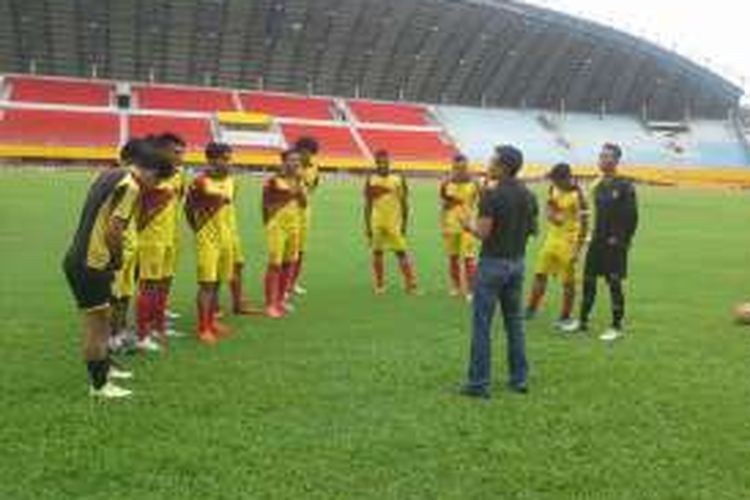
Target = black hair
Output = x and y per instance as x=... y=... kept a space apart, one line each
x=510 y=158
x=615 y=149
x=561 y=171
x=382 y=153
x=217 y=149
x=170 y=139
x=149 y=156
x=307 y=143
x=129 y=151
x=460 y=158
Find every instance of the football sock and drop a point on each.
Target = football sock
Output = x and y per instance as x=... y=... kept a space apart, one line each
x=98 y=371
x=537 y=293
x=454 y=268
x=144 y=311
x=407 y=269
x=569 y=295
x=470 y=269
x=273 y=273
x=378 y=269
x=297 y=270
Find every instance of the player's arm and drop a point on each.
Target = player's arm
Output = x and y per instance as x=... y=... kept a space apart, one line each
x=265 y=201
x=630 y=215
x=368 y=209
x=404 y=205
x=114 y=236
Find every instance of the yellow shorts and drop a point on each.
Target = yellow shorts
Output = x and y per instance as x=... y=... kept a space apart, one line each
x=304 y=228
x=124 y=282
x=283 y=244
x=461 y=244
x=215 y=263
x=156 y=262
x=388 y=238
x=557 y=259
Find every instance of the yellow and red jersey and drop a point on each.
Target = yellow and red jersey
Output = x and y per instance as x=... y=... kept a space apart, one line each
x=459 y=198
x=284 y=200
x=310 y=176
x=157 y=217
x=209 y=208
x=386 y=194
x=564 y=211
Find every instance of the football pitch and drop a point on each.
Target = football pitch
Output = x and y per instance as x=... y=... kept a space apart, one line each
x=354 y=396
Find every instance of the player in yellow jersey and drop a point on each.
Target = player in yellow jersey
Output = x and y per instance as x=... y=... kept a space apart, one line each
x=310 y=175
x=386 y=221
x=123 y=286
x=208 y=207
x=459 y=195
x=96 y=253
x=567 y=216
x=284 y=200
x=157 y=226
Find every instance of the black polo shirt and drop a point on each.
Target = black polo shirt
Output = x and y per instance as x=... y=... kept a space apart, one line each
x=513 y=210
x=616 y=211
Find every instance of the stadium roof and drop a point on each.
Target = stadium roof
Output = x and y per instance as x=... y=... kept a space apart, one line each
x=471 y=52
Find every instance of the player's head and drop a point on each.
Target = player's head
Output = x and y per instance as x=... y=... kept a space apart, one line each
x=609 y=158
x=219 y=156
x=382 y=162
x=129 y=151
x=460 y=165
x=174 y=146
x=561 y=176
x=307 y=146
x=151 y=162
x=508 y=160
x=291 y=162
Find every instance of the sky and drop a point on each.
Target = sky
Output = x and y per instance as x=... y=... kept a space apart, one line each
x=717 y=31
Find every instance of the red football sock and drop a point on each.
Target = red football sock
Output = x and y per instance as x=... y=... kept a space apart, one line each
x=144 y=311
x=470 y=268
x=204 y=316
x=160 y=310
x=407 y=269
x=273 y=273
x=378 y=269
x=455 y=272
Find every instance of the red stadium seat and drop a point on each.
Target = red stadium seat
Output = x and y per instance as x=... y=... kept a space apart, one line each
x=184 y=99
x=390 y=113
x=335 y=142
x=290 y=106
x=59 y=128
x=409 y=146
x=49 y=91
x=195 y=131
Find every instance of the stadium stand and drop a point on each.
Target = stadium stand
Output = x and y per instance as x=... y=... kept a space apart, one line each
x=335 y=141
x=415 y=145
x=288 y=106
x=58 y=91
x=389 y=113
x=31 y=127
x=183 y=99
x=195 y=131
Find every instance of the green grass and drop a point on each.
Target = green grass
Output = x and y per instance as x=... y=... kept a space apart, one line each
x=353 y=396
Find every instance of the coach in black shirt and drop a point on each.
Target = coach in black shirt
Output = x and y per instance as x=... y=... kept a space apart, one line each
x=614 y=228
x=507 y=217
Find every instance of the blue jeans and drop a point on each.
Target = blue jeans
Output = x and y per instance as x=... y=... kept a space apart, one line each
x=498 y=280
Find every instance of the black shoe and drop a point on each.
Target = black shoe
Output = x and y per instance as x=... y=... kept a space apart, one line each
x=474 y=393
x=519 y=388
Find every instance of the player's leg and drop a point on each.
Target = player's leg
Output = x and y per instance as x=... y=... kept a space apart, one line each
x=452 y=249
x=207 y=259
x=297 y=271
x=378 y=261
x=288 y=265
x=538 y=290
x=617 y=302
x=276 y=241
x=405 y=263
x=511 y=305
x=469 y=252
x=151 y=274
x=224 y=274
